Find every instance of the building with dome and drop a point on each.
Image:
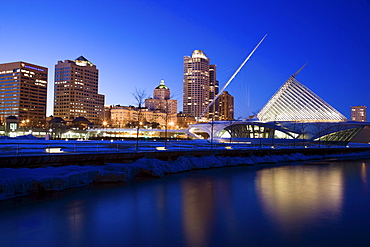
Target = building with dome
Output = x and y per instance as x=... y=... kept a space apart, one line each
x=162 y=101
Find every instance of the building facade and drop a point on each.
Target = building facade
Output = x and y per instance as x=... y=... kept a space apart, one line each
x=213 y=91
x=199 y=84
x=184 y=120
x=226 y=106
x=107 y=116
x=23 y=93
x=76 y=91
x=358 y=113
x=130 y=117
x=122 y=116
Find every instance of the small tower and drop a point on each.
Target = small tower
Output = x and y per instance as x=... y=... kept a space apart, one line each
x=161 y=102
x=161 y=92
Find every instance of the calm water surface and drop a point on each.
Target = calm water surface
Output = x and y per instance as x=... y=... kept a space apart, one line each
x=298 y=204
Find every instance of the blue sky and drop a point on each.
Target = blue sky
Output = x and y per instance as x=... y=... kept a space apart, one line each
x=138 y=43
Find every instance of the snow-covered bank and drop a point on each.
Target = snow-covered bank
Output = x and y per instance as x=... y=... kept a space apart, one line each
x=22 y=181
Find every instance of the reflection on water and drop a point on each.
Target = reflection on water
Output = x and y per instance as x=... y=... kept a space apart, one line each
x=75 y=216
x=364 y=174
x=311 y=204
x=197 y=211
x=294 y=195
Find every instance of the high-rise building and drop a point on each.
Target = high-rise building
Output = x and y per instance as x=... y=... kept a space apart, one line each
x=76 y=91
x=226 y=106
x=199 y=84
x=213 y=91
x=358 y=113
x=23 y=90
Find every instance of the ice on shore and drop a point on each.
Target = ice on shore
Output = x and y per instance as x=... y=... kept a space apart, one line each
x=22 y=181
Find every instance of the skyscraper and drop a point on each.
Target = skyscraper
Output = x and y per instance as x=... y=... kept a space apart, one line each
x=199 y=84
x=213 y=91
x=358 y=113
x=23 y=89
x=226 y=106
x=76 y=91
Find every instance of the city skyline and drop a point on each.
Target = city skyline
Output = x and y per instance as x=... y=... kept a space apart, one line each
x=142 y=43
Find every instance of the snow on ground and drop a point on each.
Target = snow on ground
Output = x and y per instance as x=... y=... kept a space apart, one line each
x=22 y=181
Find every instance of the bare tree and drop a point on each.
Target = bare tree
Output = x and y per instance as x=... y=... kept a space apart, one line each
x=167 y=111
x=139 y=95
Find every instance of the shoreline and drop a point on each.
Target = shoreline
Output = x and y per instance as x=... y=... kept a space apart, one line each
x=90 y=157
x=16 y=182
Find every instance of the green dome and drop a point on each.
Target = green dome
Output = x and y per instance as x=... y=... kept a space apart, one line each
x=162 y=86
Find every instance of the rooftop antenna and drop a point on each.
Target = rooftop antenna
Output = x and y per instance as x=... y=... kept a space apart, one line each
x=231 y=78
x=296 y=73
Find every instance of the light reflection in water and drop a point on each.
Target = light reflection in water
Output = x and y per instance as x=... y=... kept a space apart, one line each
x=364 y=174
x=75 y=213
x=292 y=196
x=198 y=209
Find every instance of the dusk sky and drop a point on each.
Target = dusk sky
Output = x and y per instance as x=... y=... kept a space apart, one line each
x=138 y=43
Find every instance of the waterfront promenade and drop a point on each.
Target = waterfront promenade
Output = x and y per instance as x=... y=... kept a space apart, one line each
x=31 y=153
x=38 y=166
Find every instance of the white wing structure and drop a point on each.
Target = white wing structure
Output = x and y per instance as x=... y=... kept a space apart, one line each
x=295 y=102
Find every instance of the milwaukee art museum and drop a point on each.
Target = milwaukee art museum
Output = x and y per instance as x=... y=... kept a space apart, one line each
x=293 y=115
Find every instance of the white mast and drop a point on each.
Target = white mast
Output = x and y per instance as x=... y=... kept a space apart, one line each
x=231 y=78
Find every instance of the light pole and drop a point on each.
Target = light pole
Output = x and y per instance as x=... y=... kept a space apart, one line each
x=171 y=127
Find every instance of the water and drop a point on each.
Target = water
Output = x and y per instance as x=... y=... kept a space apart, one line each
x=298 y=204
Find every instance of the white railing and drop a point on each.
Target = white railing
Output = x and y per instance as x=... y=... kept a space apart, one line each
x=70 y=147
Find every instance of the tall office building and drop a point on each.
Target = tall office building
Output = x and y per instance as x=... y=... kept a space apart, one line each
x=199 y=84
x=226 y=106
x=358 y=113
x=213 y=91
x=76 y=91
x=23 y=89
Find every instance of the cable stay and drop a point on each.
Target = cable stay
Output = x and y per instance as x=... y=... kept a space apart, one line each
x=231 y=78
